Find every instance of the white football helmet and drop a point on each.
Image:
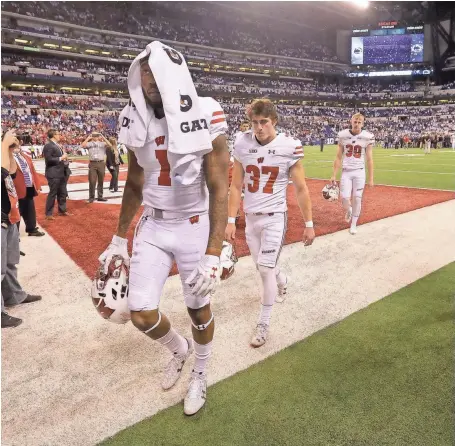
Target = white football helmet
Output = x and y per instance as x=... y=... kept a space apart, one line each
x=110 y=291
x=331 y=192
x=228 y=259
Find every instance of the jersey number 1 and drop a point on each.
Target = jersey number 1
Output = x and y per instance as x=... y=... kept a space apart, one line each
x=256 y=174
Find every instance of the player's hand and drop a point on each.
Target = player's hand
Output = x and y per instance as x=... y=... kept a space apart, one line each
x=229 y=233
x=308 y=236
x=206 y=276
x=118 y=246
x=333 y=180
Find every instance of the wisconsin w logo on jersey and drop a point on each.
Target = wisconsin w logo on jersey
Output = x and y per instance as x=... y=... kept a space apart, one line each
x=260 y=160
x=160 y=140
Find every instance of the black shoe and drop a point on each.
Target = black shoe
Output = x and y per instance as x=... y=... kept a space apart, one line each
x=90 y=200
x=22 y=253
x=10 y=321
x=31 y=298
x=36 y=233
x=102 y=199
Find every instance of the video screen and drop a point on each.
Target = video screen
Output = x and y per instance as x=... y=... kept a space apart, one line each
x=387 y=46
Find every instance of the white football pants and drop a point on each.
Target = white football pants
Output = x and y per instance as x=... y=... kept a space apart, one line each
x=157 y=243
x=352 y=183
x=265 y=237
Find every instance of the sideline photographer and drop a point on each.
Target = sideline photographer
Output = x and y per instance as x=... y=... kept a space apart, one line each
x=96 y=144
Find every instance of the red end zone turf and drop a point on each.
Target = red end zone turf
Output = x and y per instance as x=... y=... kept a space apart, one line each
x=87 y=233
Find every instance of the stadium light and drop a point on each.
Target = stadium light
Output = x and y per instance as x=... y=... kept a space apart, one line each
x=21 y=41
x=50 y=45
x=65 y=47
x=361 y=4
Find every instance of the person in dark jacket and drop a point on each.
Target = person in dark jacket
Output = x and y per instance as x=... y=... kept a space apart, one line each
x=57 y=173
x=113 y=161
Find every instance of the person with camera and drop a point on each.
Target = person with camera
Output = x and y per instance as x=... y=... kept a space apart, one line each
x=57 y=173
x=96 y=144
x=12 y=292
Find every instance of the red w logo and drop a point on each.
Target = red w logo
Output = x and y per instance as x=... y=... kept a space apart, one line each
x=159 y=141
x=260 y=160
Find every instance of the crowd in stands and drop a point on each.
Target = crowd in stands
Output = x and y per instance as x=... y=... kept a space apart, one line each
x=309 y=123
x=204 y=23
x=64 y=102
x=55 y=64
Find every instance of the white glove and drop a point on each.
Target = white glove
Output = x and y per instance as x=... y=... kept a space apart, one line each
x=118 y=246
x=206 y=276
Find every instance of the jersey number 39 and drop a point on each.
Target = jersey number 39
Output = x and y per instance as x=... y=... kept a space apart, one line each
x=356 y=150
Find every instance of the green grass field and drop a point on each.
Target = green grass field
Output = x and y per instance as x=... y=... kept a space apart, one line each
x=383 y=376
x=392 y=167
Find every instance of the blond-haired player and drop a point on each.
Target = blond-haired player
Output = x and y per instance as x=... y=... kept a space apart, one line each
x=263 y=162
x=354 y=147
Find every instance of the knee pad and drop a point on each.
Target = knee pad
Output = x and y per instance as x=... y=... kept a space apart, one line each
x=265 y=271
x=202 y=327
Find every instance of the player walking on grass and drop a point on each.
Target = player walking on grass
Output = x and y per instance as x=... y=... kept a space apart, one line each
x=355 y=146
x=269 y=160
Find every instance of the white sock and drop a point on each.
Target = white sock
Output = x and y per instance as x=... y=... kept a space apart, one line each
x=174 y=342
x=266 y=313
x=356 y=208
x=269 y=292
x=202 y=353
x=281 y=278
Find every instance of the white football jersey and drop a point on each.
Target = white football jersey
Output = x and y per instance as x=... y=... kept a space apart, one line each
x=159 y=191
x=266 y=170
x=354 y=147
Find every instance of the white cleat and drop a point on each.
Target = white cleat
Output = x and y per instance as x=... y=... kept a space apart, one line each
x=197 y=393
x=174 y=368
x=348 y=215
x=260 y=336
x=352 y=231
x=282 y=291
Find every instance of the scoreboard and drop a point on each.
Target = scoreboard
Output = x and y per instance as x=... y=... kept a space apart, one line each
x=390 y=42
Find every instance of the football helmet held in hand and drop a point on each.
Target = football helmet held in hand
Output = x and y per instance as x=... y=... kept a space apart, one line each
x=331 y=192
x=110 y=291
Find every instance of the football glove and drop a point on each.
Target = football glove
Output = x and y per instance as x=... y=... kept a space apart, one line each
x=206 y=276
x=118 y=246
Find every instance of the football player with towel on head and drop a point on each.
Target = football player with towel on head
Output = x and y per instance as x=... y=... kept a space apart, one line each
x=178 y=163
x=264 y=163
x=354 y=146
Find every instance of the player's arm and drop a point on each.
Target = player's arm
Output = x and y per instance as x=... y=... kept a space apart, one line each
x=235 y=194
x=132 y=195
x=370 y=166
x=337 y=162
x=297 y=174
x=216 y=168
